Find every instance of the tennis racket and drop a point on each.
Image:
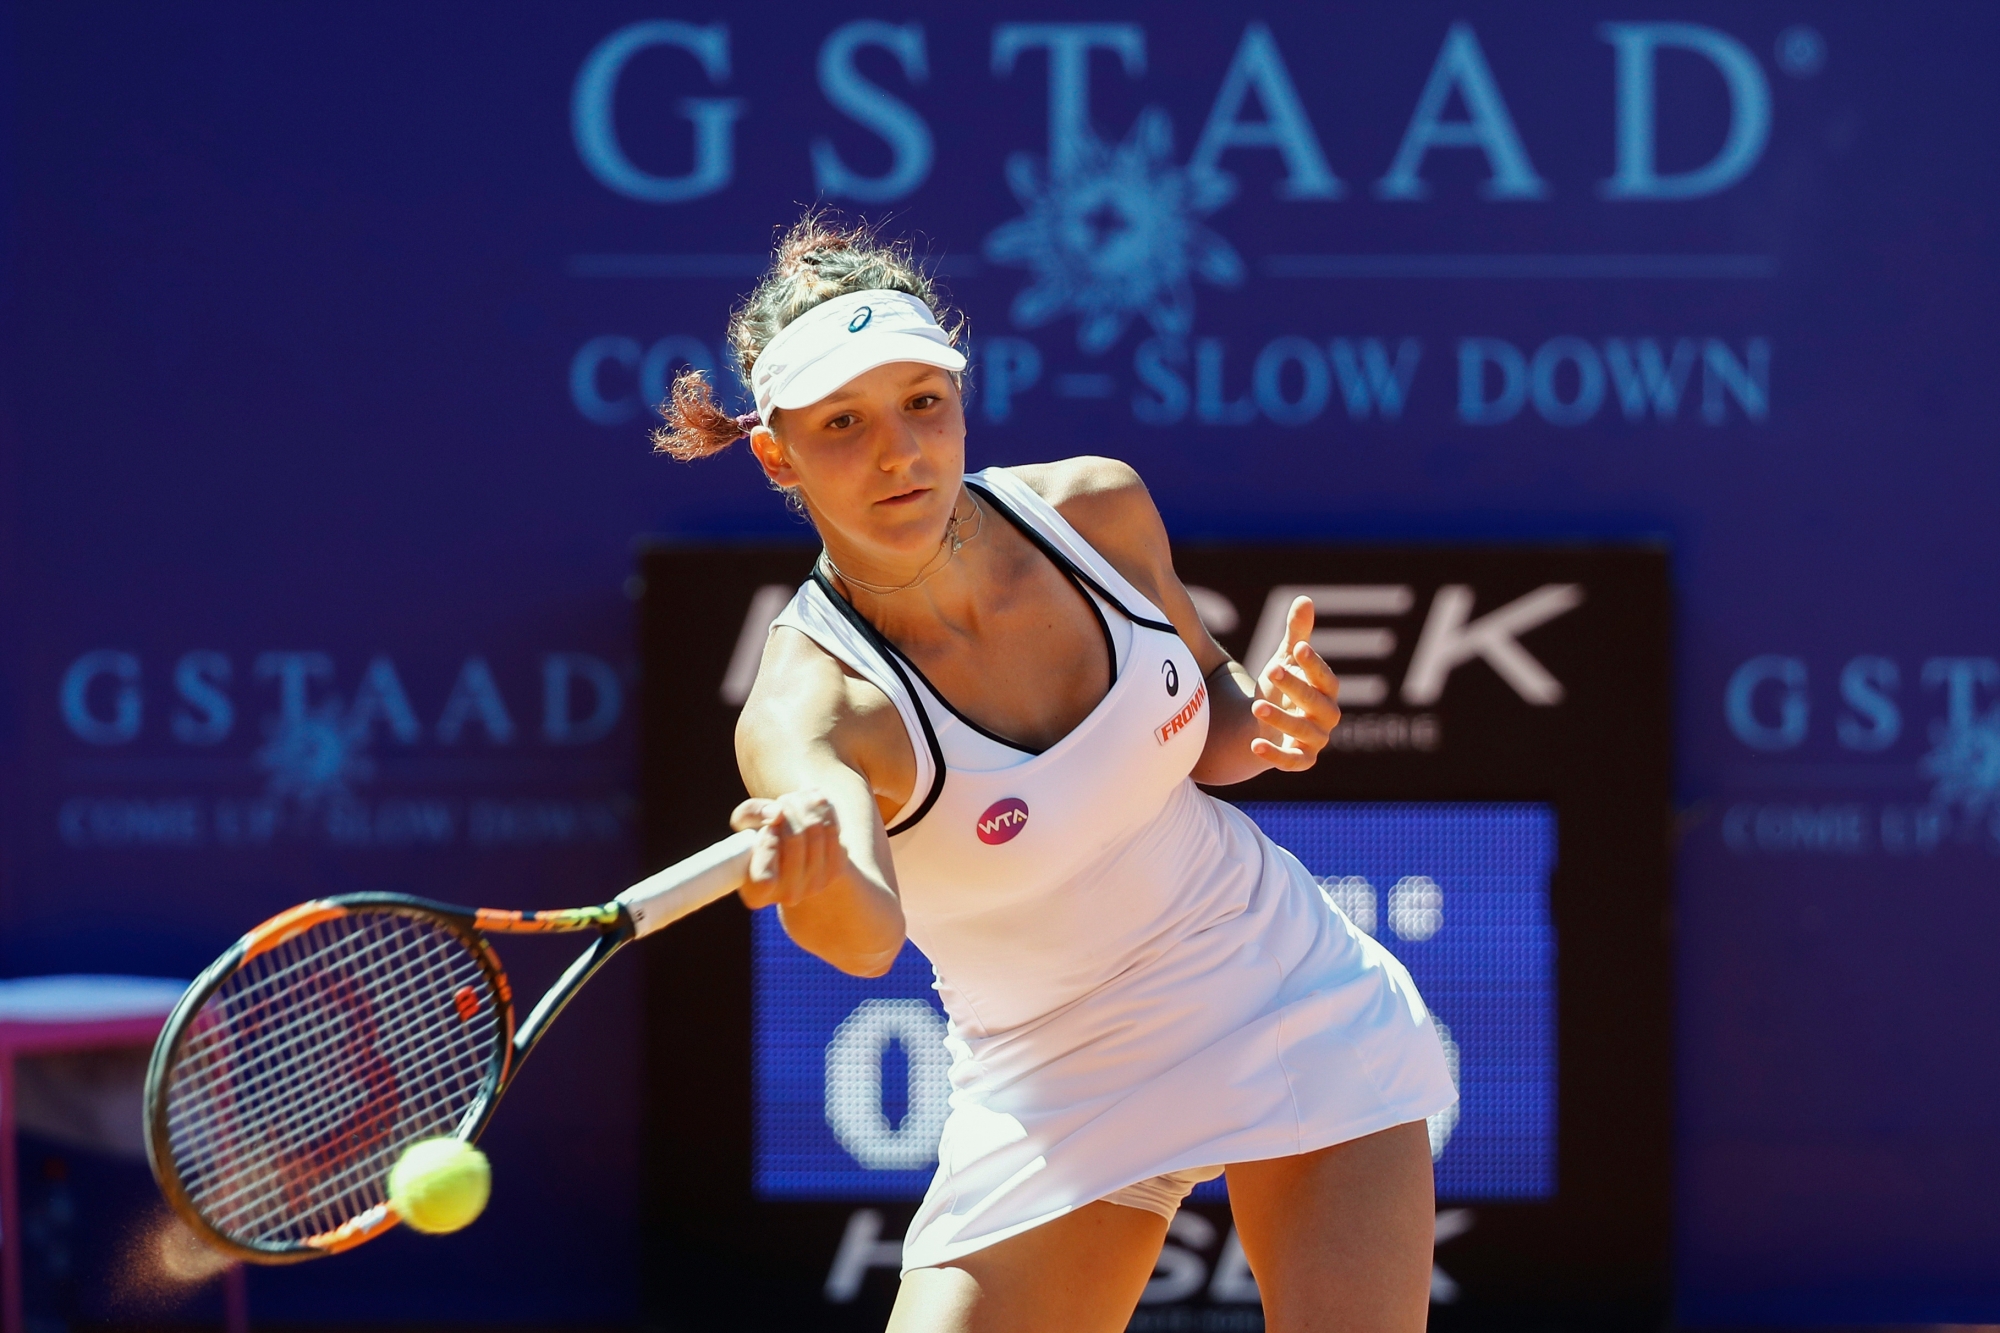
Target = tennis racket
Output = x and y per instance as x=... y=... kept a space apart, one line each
x=306 y=1059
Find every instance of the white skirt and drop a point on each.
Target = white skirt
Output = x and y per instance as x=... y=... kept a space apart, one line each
x=1278 y=1030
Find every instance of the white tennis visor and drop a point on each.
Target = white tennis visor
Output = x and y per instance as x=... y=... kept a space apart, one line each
x=848 y=336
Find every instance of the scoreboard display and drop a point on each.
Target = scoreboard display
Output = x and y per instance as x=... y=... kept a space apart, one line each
x=1493 y=810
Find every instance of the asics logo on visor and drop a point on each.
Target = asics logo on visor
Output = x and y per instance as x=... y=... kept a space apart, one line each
x=860 y=320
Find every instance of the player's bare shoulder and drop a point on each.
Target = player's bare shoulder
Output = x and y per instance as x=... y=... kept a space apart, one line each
x=1106 y=500
x=805 y=698
x=803 y=692
x=1087 y=485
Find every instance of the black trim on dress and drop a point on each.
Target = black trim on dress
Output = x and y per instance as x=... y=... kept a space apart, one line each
x=890 y=650
x=897 y=659
x=1063 y=562
x=874 y=636
x=1077 y=579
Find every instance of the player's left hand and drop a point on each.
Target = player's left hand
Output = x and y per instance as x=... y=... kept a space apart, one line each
x=1297 y=704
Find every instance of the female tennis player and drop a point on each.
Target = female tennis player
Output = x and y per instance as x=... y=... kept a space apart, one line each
x=980 y=725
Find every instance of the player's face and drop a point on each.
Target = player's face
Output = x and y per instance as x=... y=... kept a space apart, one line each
x=879 y=461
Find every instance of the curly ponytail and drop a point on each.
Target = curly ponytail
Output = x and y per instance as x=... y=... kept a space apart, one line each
x=816 y=260
x=697 y=425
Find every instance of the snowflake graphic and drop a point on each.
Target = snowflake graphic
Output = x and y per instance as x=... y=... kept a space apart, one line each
x=1116 y=235
x=1966 y=764
x=314 y=756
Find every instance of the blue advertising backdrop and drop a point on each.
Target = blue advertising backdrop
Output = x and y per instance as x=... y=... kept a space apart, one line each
x=329 y=334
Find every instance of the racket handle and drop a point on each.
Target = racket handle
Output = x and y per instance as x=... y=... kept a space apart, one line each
x=687 y=886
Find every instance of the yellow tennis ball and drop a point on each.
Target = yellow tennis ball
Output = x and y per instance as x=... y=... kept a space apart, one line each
x=440 y=1185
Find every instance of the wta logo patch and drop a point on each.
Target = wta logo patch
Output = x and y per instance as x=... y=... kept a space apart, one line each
x=1002 y=820
x=1176 y=724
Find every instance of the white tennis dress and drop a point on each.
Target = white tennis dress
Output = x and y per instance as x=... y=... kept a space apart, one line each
x=1140 y=985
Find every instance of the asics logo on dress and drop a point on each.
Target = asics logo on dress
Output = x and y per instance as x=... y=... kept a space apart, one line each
x=1002 y=820
x=1173 y=675
x=860 y=320
x=1176 y=724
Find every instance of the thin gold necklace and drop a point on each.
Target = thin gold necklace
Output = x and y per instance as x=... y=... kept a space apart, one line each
x=954 y=537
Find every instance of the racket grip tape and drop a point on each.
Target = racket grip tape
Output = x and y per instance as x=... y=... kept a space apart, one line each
x=689 y=885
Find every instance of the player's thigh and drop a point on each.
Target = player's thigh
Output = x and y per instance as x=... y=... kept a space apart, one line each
x=1081 y=1273
x=1341 y=1239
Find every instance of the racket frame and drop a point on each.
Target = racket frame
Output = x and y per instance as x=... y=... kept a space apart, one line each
x=611 y=922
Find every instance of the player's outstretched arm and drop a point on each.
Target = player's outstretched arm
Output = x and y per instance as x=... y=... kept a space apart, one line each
x=808 y=739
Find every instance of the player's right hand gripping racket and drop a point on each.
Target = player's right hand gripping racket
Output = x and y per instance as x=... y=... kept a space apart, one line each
x=301 y=1064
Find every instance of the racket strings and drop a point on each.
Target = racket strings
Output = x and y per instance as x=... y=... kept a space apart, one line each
x=336 y=1102
x=361 y=1102
x=263 y=1066
x=279 y=1061
x=328 y=1154
x=312 y=1067
x=303 y=1034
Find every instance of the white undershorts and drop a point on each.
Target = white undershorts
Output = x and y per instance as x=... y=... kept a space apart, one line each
x=1162 y=1194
